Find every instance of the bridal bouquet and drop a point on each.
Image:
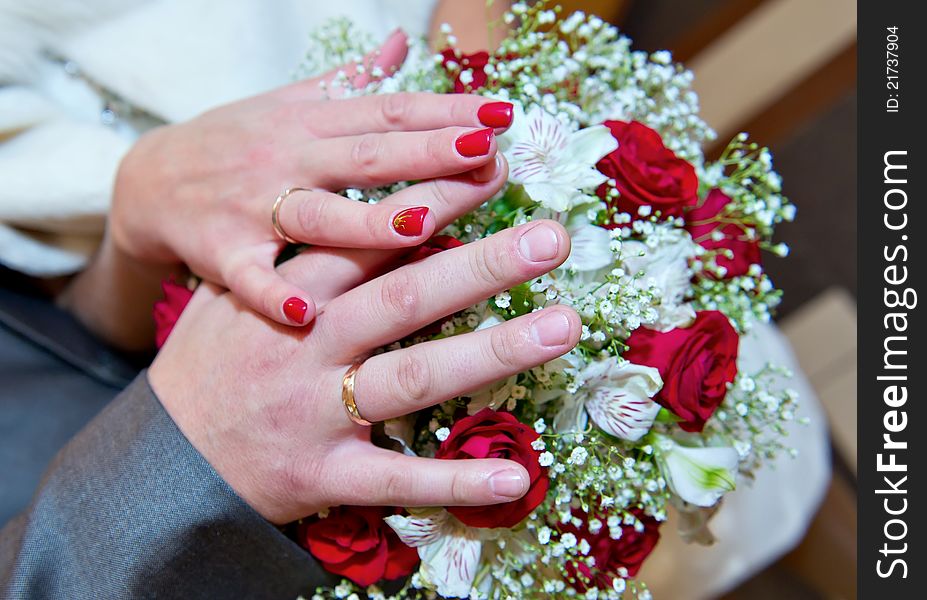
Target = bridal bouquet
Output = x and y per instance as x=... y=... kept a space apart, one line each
x=650 y=411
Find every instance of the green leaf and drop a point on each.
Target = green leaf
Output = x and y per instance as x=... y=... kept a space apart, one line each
x=665 y=416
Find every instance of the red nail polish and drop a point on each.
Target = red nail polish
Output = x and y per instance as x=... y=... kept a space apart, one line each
x=410 y=221
x=475 y=143
x=295 y=309
x=496 y=114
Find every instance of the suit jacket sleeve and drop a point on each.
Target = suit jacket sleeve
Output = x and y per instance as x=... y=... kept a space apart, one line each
x=129 y=509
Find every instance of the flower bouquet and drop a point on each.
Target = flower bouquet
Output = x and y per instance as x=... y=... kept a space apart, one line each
x=649 y=412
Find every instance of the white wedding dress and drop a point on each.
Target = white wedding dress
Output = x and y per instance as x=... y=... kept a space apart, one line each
x=172 y=59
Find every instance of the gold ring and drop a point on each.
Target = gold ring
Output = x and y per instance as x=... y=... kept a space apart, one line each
x=275 y=214
x=347 y=396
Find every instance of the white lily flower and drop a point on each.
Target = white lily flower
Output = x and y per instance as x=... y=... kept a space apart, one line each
x=554 y=163
x=617 y=397
x=665 y=268
x=700 y=476
x=450 y=551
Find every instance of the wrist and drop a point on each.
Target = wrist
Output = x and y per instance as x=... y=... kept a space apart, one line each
x=134 y=228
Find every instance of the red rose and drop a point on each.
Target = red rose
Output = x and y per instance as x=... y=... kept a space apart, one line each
x=355 y=542
x=628 y=551
x=167 y=311
x=646 y=172
x=476 y=62
x=696 y=364
x=704 y=219
x=492 y=434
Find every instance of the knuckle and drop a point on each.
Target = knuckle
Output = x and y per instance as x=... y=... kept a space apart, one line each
x=503 y=344
x=414 y=378
x=443 y=193
x=395 y=108
x=400 y=298
x=397 y=484
x=436 y=148
x=461 y=110
x=489 y=262
x=294 y=477
x=365 y=153
x=461 y=491
x=311 y=215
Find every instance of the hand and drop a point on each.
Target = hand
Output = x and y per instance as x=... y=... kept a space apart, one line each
x=201 y=192
x=263 y=404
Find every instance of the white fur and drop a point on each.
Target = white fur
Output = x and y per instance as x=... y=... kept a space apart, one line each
x=174 y=58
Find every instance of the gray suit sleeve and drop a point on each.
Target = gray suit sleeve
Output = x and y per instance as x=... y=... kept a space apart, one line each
x=129 y=509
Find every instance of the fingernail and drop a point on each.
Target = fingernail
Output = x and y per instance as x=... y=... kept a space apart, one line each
x=392 y=52
x=488 y=171
x=496 y=114
x=510 y=483
x=475 y=143
x=551 y=329
x=410 y=221
x=295 y=309
x=539 y=243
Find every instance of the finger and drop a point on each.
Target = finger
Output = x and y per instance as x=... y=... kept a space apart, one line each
x=403 y=381
x=405 y=300
x=377 y=159
x=387 y=478
x=250 y=275
x=318 y=217
x=446 y=198
x=387 y=58
x=408 y=112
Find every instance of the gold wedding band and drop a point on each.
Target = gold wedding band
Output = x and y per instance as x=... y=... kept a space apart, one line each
x=347 y=396
x=275 y=214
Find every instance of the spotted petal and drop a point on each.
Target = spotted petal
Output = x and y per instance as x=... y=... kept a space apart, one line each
x=451 y=562
x=620 y=402
x=417 y=531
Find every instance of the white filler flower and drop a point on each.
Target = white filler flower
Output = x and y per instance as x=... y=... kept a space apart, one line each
x=554 y=163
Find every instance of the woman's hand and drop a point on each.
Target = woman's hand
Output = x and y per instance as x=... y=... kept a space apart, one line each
x=202 y=192
x=262 y=403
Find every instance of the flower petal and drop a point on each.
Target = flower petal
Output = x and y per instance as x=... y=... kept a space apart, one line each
x=588 y=146
x=551 y=194
x=700 y=476
x=451 y=562
x=402 y=431
x=417 y=531
x=620 y=404
x=590 y=248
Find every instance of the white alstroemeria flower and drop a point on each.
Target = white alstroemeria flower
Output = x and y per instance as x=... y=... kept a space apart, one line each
x=554 y=163
x=401 y=430
x=700 y=476
x=493 y=395
x=617 y=397
x=666 y=268
x=590 y=250
x=450 y=551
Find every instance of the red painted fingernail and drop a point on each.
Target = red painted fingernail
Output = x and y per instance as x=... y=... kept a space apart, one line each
x=295 y=309
x=475 y=143
x=496 y=114
x=410 y=221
